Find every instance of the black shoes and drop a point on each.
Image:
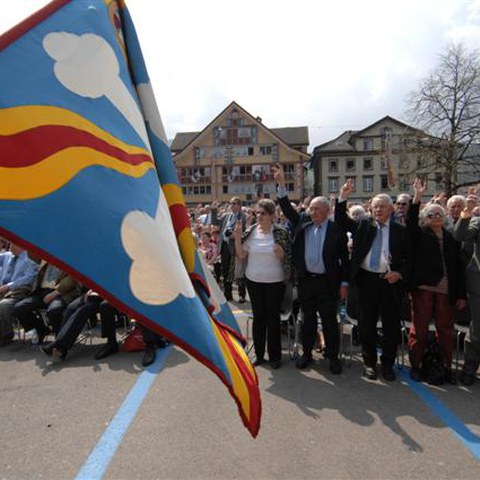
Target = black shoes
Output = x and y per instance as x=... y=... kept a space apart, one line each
x=335 y=366
x=450 y=376
x=466 y=378
x=388 y=374
x=370 y=372
x=258 y=361
x=47 y=349
x=58 y=354
x=276 y=364
x=106 y=350
x=149 y=356
x=415 y=374
x=303 y=362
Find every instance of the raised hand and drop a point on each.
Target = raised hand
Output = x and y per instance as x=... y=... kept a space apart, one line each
x=278 y=174
x=419 y=188
x=347 y=189
x=238 y=230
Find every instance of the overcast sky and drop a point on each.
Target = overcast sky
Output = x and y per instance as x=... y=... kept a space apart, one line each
x=329 y=65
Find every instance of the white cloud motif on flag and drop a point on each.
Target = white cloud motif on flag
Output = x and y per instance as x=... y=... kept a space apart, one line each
x=87 y=65
x=157 y=274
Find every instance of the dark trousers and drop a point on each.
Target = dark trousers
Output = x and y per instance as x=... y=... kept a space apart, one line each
x=378 y=299
x=316 y=296
x=266 y=299
x=426 y=306
x=26 y=311
x=226 y=256
x=77 y=315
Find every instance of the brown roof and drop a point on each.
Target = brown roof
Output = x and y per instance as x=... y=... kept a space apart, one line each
x=181 y=140
x=341 y=143
x=292 y=135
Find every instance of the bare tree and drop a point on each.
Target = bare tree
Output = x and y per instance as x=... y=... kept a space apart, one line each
x=446 y=105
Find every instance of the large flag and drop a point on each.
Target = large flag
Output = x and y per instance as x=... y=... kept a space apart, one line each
x=87 y=181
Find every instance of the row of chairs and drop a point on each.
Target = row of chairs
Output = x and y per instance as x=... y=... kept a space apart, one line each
x=291 y=323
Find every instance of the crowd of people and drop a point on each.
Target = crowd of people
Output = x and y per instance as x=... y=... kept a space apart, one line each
x=411 y=259
x=43 y=301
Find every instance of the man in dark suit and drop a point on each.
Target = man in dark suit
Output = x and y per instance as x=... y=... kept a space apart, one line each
x=320 y=256
x=380 y=262
x=227 y=222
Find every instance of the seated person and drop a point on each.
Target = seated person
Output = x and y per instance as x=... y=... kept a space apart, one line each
x=17 y=274
x=53 y=290
x=76 y=317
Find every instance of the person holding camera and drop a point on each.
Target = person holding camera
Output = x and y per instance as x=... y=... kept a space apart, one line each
x=227 y=222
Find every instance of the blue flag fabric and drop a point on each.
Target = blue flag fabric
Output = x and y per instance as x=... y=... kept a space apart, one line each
x=89 y=184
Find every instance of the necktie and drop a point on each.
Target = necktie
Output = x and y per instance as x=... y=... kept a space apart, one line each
x=376 y=251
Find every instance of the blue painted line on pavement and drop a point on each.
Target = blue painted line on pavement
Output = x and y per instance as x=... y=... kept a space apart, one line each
x=99 y=459
x=460 y=430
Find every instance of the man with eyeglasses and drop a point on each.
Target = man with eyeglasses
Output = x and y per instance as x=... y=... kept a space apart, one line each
x=226 y=223
x=401 y=208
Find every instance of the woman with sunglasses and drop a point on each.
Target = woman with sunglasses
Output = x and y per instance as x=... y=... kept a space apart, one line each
x=266 y=249
x=438 y=284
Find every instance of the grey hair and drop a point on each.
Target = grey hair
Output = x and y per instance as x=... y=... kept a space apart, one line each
x=456 y=197
x=323 y=200
x=429 y=208
x=357 y=209
x=384 y=196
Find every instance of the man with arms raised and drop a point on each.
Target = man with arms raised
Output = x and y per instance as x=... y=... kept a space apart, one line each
x=380 y=263
x=320 y=256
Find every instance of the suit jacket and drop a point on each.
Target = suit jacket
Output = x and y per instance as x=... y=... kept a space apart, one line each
x=468 y=230
x=223 y=221
x=363 y=234
x=335 y=252
x=66 y=286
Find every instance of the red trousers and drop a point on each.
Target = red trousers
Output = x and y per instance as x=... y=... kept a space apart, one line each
x=426 y=306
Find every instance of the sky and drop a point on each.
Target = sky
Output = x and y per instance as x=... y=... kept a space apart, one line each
x=329 y=65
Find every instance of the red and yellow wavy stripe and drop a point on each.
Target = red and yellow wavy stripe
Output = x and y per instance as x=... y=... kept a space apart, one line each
x=43 y=147
x=244 y=382
x=244 y=386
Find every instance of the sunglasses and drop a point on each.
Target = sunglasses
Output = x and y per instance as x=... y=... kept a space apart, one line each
x=402 y=203
x=435 y=215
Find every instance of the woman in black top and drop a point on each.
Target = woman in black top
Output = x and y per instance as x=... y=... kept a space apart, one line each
x=437 y=280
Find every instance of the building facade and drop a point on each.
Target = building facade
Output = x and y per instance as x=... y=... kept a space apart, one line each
x=232 y=156
x=382 y=158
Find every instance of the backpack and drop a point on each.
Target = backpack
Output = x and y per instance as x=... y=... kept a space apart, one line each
x=433 y=369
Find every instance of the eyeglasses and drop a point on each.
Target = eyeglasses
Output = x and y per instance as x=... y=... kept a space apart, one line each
x=435 y=215
x=402 y=203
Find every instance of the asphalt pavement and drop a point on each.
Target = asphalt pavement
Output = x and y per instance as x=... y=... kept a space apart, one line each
x=112 y=419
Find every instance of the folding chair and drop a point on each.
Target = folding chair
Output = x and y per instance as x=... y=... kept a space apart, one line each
x=461 y=332
x=124 y=322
